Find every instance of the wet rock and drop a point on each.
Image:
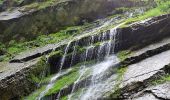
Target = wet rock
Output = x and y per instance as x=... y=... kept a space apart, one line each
x=144 y=33
x=161 y=91
x=153 y=29
x=146 y=97
x=157 y=92
x=139 y=75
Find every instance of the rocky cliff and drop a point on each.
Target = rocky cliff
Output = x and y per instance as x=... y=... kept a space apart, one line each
x=48 y=17
x=139 y=48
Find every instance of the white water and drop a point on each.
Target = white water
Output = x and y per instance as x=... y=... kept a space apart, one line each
x=113 y=33
x=74 y=52
x=64 y=56
x=99 y=70
x=82 y=71
x=60 y=73
x=51 y=83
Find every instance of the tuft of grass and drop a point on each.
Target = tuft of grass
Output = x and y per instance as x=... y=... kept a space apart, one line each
x=163 y=79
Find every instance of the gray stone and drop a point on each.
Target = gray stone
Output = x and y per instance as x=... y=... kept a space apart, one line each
x=161 y=91
x=147 y=96
x=145 y=69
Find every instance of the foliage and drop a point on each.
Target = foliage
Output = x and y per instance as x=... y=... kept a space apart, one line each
x=122 y=55
x=163 y=7
x=34 y=95
x=163 y=79
x=120 y=72
x=14 y=47
x=64 y=81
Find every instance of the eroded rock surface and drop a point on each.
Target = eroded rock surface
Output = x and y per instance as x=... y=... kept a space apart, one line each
x=157 y=92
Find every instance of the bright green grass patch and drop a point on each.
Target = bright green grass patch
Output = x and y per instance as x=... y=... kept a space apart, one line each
x=64 y=81
x=64 y=98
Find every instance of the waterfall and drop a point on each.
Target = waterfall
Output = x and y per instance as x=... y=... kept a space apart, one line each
x=64 y=56
x=82 y=71
x=51 y=83
x=55 y=77
x=74 y=52
x=98 y=70
x=101 y=68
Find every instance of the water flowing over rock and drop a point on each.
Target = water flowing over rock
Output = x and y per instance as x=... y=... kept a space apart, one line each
x=94 y=57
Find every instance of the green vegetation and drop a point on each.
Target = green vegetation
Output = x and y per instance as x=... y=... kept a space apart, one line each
x=38 y=70
x=64 y=98
x=163 y=7
x=163 y=79
x=64 y=81
x=14 y=47
x=41 y=5
x=1 y=1
x=116 y=92
x=34 y=95
x=122 y=55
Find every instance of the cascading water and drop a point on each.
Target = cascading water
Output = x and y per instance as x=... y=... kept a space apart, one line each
x=94 y=91
x=59 y=74
x=82 y=71
x=51 y=83
x=100 y=69
x=74 y=53
x=64 y=56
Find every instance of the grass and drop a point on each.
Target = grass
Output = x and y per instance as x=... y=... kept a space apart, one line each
x=163 y=7
x=116 y=91
x=163 y=79
x=64 y=98
x=34 y=95
x=14 y=47
x=122 y=55
x=64 y=81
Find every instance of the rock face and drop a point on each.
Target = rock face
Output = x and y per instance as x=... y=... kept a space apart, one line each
x=158 y=92
x=134 y=35
x=26 y=23
x=7 y=4
x=140 y=33
x=19 y=83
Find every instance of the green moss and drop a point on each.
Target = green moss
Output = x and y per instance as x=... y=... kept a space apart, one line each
x=34 y=95
x=64 y=98
x=122 y=55
x=163 y=79
x=64 y=81
x=56 y=53
x=163 y=7
x=116 y=92
x=37 y=71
